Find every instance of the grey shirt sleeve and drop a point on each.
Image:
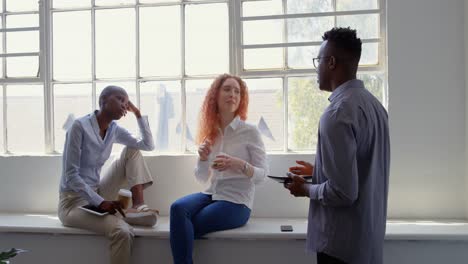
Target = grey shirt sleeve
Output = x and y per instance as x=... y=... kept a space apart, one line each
x=338 y=162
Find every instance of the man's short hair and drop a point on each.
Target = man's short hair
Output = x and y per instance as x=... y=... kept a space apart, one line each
x=108 y=91
x=345 y=40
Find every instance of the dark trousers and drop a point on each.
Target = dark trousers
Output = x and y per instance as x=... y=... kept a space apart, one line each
x=323 y=258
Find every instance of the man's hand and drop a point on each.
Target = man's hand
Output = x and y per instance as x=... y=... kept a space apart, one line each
x=132 y=108
x=305 y=169
x=204 y=150
x=112 y=207
x=297 y=186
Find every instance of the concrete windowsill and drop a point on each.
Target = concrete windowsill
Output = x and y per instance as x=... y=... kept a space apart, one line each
x=256 y=228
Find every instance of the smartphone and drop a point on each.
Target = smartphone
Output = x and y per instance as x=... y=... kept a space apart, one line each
x=286 y=228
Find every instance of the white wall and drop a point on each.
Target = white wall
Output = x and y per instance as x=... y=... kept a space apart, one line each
x=37 y=179
x=427 y=120
x=93 y=250
x=466 y=100
x=426 y=105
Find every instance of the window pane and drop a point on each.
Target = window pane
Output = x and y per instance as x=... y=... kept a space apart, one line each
x=375 y=84
x=160 y=41
x=114 y=2
x=305 y=106
x=161 y=102
x=25 y=118
x=266 y=110
x=72 y=43
x=262 y=8
x=25 y=41
x=346 y=5
x=207 y=37
x=367 y=26
x=369 y=54
x=263 y=32
x=71 y=3
x=309 y=6
x=17 y=21
x=129 y=121
x=308 y=29
x=69 y=99
x=302 y=57
x=270 y=58
x=22 y=66
x=22 y=5
x=195 y=94
x=115 y=43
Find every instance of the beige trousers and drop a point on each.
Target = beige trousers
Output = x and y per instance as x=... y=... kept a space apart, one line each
x=127 y=171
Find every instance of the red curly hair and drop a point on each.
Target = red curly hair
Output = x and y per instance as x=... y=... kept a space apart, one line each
x=209 y=121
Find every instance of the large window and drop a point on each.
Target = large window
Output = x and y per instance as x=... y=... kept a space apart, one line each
x=277 y=40
x=59 y=54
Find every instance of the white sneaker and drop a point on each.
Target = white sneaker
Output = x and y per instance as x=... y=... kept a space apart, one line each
x=142 y=216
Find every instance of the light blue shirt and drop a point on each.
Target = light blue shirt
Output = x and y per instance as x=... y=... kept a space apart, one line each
x=348 y=200
x=85 y=152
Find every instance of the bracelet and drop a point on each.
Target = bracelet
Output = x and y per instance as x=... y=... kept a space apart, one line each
x=244 y=169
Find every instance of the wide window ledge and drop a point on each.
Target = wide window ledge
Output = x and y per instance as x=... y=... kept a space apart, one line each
x=256 y=229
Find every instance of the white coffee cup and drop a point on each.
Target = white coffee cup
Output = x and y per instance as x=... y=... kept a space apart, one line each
x=125 y=198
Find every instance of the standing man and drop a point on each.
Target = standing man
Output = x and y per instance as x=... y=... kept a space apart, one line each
x=348 y=196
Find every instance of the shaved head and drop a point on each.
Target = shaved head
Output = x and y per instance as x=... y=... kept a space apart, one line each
x=111 y=89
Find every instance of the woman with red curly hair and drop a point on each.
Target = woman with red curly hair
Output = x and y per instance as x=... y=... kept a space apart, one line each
x=232 y=157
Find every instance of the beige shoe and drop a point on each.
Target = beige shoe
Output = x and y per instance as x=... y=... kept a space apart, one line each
x=142 y=216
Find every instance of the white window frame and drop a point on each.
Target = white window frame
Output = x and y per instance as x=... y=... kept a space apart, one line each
x=137 y=79
x=5 y=80
x=286 y=72
x=236 y=48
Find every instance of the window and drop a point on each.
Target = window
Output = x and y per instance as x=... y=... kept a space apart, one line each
x=22 y=109
x=166 y=53
x=154 y=49
x=277 y=40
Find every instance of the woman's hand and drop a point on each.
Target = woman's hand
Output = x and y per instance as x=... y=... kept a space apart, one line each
x=204 y=150
x=224 y=162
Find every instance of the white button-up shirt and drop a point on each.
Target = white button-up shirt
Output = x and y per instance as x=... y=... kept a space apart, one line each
x=243 y=141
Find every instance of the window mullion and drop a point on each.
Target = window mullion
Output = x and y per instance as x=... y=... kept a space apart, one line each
x=93 y=54
x=285 y=113
x=233 y=37
x=285 y=35
x=334 y=10
x=238 y=37
x=285 y=79
x=137 y=57
x=45 y=74
x=383 y=49
x=5 y=117
x=183 y=93
x=4 y=69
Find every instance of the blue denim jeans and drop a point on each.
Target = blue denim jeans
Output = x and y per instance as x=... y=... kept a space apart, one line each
x=197 y=214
